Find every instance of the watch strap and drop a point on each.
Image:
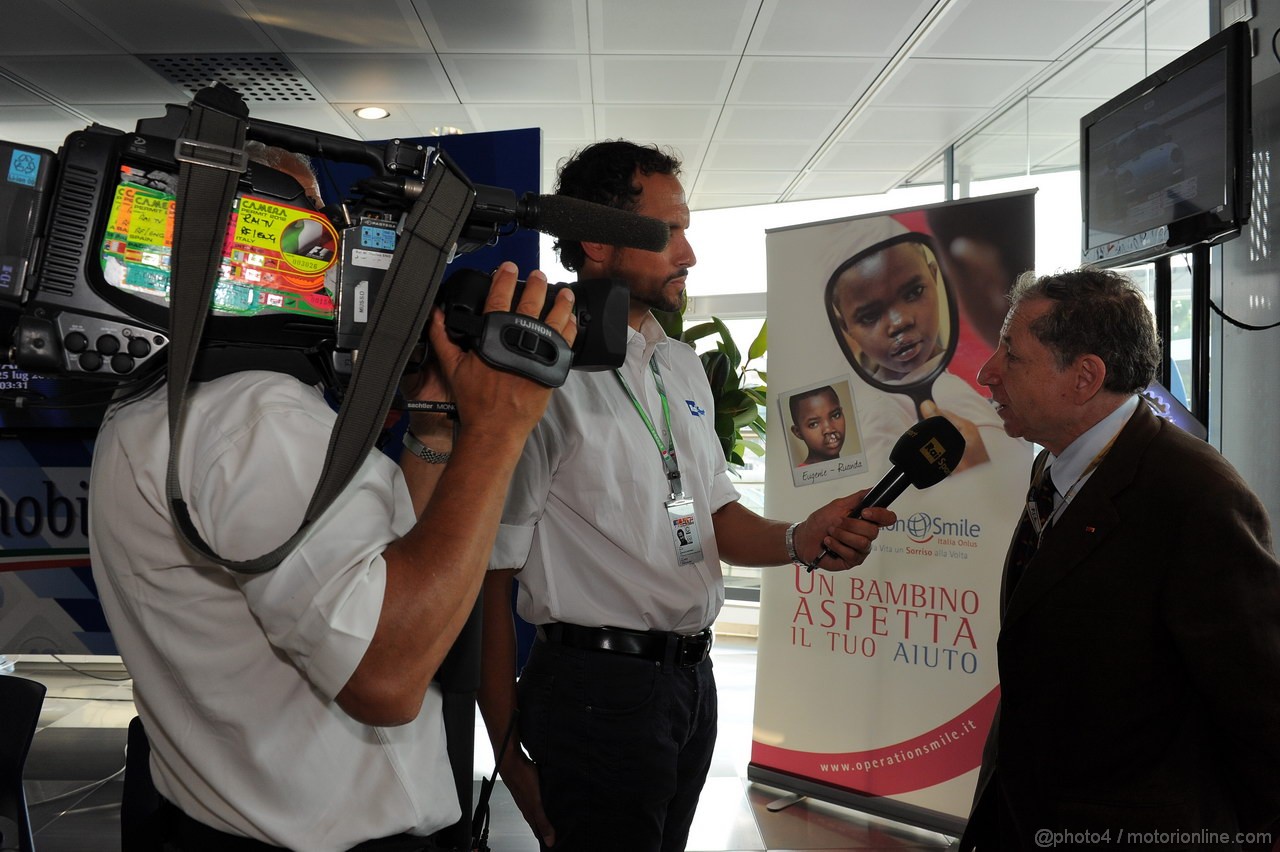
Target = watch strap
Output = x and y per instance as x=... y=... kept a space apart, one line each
x=791 y=549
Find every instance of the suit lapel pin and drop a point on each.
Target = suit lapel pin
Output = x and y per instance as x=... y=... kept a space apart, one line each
x=1090 y=529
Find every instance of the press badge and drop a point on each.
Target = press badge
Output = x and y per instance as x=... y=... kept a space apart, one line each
x=684 y=531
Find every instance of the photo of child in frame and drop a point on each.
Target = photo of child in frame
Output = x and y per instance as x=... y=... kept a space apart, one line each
x=822 y=436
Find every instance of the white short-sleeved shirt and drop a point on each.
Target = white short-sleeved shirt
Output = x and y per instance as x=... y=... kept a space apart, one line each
x=585 y=519
x=235 y=676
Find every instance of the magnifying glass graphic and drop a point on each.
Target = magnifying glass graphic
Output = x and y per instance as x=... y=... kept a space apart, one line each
x=893 y=315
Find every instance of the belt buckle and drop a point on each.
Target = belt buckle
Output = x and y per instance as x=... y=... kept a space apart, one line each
x=691 y=650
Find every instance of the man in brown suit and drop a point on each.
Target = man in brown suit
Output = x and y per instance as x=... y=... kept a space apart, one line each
x=1139 y=647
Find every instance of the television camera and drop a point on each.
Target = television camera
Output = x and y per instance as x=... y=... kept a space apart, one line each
x=87 y=238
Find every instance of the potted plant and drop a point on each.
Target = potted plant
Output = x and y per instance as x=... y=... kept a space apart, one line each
x=739 y=407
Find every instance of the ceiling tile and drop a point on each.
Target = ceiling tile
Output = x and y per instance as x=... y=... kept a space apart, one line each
x=1041 y=116
x=956 y=82
x=759 y=155
x=1027 y=29
x=148 y=26
x=319 y=117
x=1099 y=72
x=751 y=182
x=1173 y=26
x=835 y=27
x=658 y=123
x=802 y=80
x=426 y=118
x=338 y=26
x=12 y=94
x=932 y=125
x=372 y=77
x=713 y=201
x=777 y=123
x=932 y=174
x=1066 y=157
x=50 y=27
x=670 y=26
x=126 y=116
x=1058 y=116
x=1007 y=154
x=870 y=157
x=95 y=79
x=834 y=184
x=502 y=78
x=505 y=26
x=38 y=126
x=400 y=124
x=558 y=121
x=668 y=79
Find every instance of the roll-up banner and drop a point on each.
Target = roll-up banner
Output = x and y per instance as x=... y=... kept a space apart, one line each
x=875 y=687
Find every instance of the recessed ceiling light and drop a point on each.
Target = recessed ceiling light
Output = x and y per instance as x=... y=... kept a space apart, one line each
x=446 y=130
x=372 y=113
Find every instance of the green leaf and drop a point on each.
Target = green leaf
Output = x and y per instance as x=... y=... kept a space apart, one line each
x=697 y=332
x=760 y=344
x=716 y=366
x=672 y=322
x=730 y=348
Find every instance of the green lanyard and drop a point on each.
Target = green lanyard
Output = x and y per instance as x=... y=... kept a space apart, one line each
x=668 y=452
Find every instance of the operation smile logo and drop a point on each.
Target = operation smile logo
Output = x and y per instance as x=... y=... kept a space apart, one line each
x=923 y=528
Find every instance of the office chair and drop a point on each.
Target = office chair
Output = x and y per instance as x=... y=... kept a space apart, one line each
x=20 y=703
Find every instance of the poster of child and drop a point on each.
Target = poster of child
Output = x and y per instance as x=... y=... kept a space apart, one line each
x=822 y=432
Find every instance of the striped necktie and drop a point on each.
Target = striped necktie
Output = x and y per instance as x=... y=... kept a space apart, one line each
x=1027 y=540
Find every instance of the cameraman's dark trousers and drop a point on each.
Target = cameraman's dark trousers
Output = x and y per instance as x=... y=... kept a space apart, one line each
x=622 y=726
x=182 y=833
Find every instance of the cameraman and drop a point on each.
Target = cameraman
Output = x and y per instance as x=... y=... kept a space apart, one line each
x=296 y=708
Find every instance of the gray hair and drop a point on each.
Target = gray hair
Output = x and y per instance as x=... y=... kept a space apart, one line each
x=1098 y=312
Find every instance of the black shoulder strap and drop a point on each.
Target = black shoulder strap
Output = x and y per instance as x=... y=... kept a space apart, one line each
x=212 y=159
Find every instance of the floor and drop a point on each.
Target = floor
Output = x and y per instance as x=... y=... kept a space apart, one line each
x=75 y=769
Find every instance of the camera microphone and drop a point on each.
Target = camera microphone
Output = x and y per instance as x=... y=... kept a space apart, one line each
x=583 y=221
x=558 y=215
x=926 y=454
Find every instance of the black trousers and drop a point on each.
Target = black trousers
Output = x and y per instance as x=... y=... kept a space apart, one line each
x=182 y=833
x=623 y=746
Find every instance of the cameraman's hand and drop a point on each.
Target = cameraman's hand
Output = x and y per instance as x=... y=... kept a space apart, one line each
x=435 y=570
x=490 y=399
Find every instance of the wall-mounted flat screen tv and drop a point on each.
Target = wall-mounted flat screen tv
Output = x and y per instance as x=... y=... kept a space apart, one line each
x=1165 y=165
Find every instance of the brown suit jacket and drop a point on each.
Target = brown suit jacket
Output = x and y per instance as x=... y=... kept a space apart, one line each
x=1140 y=661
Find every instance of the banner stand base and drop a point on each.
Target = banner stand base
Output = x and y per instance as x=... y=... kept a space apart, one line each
x=918 y=817
x=784 y=803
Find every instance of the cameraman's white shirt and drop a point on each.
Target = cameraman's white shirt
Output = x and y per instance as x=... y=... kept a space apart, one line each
x=235 y=676
x=585 y=517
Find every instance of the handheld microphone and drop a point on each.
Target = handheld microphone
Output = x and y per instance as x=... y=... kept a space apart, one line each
x=926 y=454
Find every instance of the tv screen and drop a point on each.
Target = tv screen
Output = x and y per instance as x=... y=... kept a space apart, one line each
x=1165 y=164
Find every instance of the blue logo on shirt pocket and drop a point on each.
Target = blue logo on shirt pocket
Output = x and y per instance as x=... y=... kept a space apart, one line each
x=694 y=409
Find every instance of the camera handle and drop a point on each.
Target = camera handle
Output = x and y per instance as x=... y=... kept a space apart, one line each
x=212 y=159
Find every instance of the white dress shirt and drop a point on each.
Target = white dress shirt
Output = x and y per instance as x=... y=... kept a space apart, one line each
x=235 y=676
x=586 y=519
x=1071 y=470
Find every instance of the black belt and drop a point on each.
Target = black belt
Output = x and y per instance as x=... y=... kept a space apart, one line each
x=672 y=648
